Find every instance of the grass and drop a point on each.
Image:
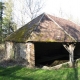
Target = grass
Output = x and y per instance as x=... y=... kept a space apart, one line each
x=23 y=73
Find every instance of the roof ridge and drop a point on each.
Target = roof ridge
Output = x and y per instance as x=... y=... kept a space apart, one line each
x=41 y=17
x=59 y=26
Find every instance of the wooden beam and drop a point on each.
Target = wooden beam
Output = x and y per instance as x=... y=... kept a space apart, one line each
x=70 y=48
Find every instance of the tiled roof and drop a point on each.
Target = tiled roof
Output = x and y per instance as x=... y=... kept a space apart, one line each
x=39 y=29
x=70 y=27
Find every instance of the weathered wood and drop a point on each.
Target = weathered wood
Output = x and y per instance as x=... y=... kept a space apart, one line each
x=70 y=48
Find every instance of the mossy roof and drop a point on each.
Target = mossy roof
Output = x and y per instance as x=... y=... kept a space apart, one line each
x=34 y=30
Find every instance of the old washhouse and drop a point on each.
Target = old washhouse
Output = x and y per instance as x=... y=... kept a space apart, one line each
x=43 y=40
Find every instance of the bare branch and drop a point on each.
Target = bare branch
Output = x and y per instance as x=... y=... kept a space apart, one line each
x=33 y=7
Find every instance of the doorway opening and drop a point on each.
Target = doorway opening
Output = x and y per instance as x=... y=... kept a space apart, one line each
x=50 y=53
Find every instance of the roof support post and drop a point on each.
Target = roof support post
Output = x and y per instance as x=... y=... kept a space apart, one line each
x=30 y=54
x=70 y=48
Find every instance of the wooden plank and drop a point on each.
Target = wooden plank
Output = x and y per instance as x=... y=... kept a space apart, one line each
x=70 y=48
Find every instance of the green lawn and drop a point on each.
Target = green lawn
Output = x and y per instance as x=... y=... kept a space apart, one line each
x=23 y=73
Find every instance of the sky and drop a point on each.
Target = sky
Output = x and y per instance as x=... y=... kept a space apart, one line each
x=68 y=7
x=60 y=8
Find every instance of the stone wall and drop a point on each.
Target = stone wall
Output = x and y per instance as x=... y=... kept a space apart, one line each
x=20 y=52
x=23 y=50
x=9 y=50
x=2 y=52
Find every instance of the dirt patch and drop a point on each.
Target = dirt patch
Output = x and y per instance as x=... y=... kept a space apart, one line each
x=6 y=63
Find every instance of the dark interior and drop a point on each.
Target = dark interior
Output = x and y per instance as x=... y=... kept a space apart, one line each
x=77 y=51
x=47 y=53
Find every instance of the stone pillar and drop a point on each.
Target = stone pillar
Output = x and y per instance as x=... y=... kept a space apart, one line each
x=30 y=55
x=9 y=50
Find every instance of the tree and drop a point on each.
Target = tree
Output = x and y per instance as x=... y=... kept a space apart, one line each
x=1 y=13
x=33 y=7
x=8 y=27
x=26 y=10
x=69 y=16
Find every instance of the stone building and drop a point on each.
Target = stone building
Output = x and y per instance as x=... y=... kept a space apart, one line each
x=45 y=38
